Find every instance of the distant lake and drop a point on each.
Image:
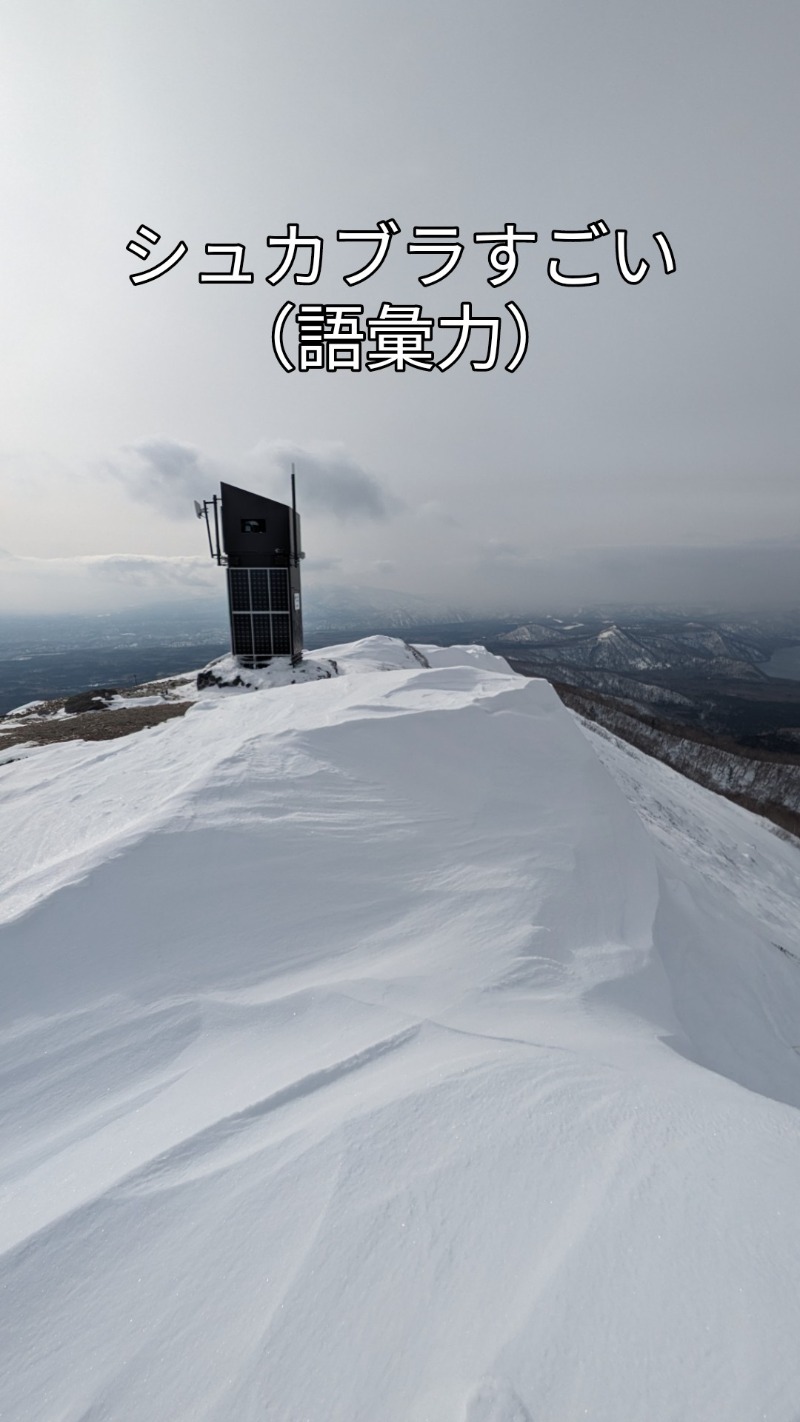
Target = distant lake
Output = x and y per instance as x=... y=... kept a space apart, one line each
x=785 y=663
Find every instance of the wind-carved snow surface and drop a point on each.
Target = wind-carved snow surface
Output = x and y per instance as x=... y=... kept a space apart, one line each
x=390 y=1049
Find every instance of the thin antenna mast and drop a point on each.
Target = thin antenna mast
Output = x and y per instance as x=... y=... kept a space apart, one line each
x=295 y=549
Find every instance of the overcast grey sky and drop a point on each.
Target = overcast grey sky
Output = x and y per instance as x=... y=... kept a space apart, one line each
x=650 y=434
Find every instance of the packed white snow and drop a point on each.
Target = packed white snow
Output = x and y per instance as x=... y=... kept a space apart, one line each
x=391 y=1048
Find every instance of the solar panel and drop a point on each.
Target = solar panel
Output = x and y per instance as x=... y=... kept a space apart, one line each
x=260 y=613
x=281 y=639
x=239 y=589
x=242 y=634
x=262 y=640
x=279 y=589
x=259 y=589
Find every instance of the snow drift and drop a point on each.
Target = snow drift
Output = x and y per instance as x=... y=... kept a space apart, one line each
x=391 y=1047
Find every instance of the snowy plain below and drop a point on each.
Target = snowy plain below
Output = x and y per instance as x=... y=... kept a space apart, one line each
x=394 y=1048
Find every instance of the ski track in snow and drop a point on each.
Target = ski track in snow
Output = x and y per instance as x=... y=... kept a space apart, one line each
x=394 y=1047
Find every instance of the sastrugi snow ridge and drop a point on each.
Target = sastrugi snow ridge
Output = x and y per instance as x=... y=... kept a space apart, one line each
x=392 y=1046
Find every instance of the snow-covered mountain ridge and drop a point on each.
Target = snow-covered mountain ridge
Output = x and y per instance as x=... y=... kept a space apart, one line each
x=393 y=1047
x=767 y=783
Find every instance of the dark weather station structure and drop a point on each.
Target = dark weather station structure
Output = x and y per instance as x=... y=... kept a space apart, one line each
x=258 y=541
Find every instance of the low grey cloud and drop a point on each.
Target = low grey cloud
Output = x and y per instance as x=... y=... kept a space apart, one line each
x=508 y=555
x=329 y=481
x=436 y=509
x=148 y=571
x=107 y=582
x=763 y=574
x=312 y=566
x=168 y=475
x=165 y=474
x=748 y=575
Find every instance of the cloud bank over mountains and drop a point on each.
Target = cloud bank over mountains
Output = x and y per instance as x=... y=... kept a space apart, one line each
x=98 y=583
x=503 y=582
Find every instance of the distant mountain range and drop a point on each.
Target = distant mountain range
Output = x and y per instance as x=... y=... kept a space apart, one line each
x=646 y=647
x=708 y=669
